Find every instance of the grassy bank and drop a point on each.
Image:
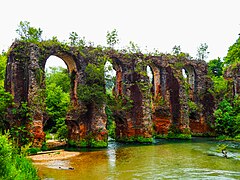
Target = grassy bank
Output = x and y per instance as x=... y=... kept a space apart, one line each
x=13 y=163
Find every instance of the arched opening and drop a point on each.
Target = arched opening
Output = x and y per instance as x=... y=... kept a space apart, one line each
x=189 y=76
x=110 y=77
x=151 y=79
x=110 y=85
x=153 y=74
x=58 y=88
x=184 y=73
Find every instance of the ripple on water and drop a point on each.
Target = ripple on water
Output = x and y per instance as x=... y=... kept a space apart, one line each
x=209 y=173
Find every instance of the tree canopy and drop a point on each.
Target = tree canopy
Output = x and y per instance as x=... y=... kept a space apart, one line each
x=233 y=55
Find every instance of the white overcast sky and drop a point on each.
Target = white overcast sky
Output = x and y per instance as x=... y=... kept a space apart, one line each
x=159 y=24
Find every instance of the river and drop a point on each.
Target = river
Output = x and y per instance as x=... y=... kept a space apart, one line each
x=199 y=158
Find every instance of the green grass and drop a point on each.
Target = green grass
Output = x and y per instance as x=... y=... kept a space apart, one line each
x=14 y=165
x=173 y=136
x=135 y=139
x=227 y=138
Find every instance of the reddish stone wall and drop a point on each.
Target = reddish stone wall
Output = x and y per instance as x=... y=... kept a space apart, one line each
x=143 y=109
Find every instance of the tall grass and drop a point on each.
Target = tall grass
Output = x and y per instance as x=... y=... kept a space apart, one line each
x=14 y=165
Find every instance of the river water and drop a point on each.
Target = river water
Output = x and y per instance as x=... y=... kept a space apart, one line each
x=199 y=158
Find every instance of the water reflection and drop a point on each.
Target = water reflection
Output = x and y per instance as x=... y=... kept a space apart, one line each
x=165 y=160
x=112 y=158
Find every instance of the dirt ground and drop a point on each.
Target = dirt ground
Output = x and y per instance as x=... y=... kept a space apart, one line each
x=53 y=154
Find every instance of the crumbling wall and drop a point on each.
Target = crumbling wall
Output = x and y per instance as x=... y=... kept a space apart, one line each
x=25 y=80
x=146 y=107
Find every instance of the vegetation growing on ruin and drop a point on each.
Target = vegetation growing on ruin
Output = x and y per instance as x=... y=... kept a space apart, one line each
x=96 y=90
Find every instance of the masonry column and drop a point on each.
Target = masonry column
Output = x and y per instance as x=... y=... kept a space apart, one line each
x=133 y=120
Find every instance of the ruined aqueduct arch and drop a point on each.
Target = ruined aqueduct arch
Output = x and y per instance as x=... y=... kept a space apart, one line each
x=168 y=106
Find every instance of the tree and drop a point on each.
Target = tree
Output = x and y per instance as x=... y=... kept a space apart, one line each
x=228 y=118
x=202 y=53
x=28 y=33
x=93 y=91
x=3 y=61
x=6 y=100
x=133 y=48
x=233 y=55
x=112 y=38
x=57 y=103
x=57 y=100
x=60 y=77
x=215 y=67
x=75 y=40
x=176 y=50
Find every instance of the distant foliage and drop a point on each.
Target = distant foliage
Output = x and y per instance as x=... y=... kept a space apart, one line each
x=57 y=101
x=28 y=33
x=233 y=55
x=93 y=91
x=60 y=77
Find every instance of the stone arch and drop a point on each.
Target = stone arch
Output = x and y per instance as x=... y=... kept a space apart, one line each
x=25 y=80
x=69 y=60
x=73 y=68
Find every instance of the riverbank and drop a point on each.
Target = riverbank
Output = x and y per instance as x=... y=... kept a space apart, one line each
x=53 y=155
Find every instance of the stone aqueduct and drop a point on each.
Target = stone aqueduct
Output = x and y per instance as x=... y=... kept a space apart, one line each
x=153 y=108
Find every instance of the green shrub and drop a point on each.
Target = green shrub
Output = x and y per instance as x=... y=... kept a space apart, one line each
x=33 y=150
x=135 y=139
x=88 y=143
x=14 y=166
x=6 y=100
x=111 y=125
x=228 y=118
